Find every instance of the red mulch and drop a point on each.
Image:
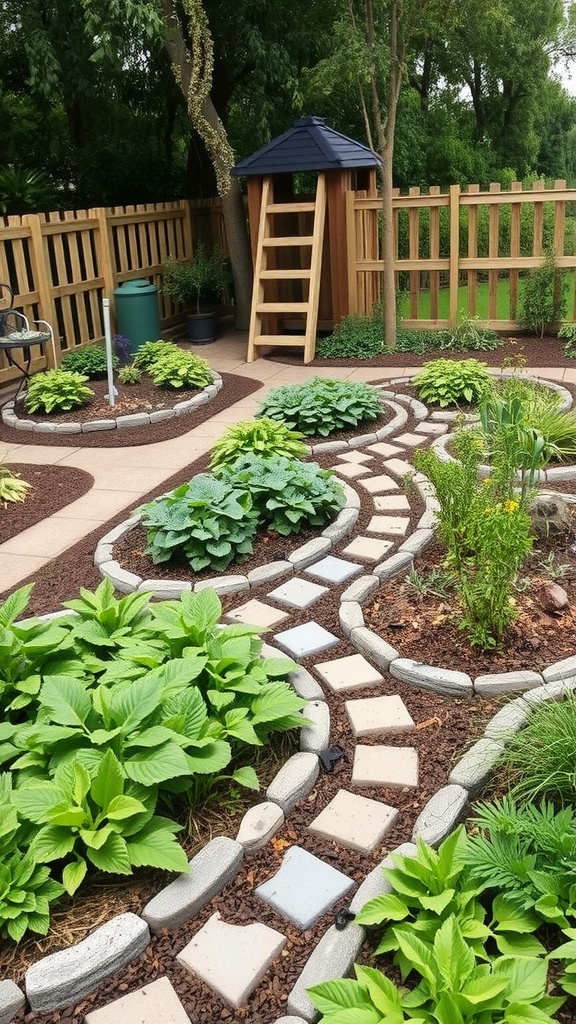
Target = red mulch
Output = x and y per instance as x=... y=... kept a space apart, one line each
x=53 y=487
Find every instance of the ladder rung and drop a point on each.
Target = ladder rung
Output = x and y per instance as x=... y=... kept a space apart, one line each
x=296 y=240
x=282 y=307
x=285 y=275
x=290 y=208
x=279 y=339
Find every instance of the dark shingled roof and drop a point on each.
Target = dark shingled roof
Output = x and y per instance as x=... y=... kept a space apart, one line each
x=309 y=145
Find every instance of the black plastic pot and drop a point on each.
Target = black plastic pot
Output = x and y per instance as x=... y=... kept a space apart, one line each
x=201 y=328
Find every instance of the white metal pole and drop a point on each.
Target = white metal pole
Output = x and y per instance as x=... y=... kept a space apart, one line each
x=108 y=336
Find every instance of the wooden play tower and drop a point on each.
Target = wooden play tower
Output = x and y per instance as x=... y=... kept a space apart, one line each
x=297 y=187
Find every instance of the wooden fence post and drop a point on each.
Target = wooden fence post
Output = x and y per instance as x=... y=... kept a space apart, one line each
x=104 y=252
x=40 y=265
x=454 y=252
x=351 y=250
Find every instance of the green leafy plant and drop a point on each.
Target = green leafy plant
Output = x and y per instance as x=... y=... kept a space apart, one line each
x=57 y=391
x=568 y=333
x=542 y=301
x=472 y=336
x=209 y=522
x=187 y=282
x=355 y=337
x=180 y=369
x=24 y=191
x=12 y=489
x=420 y=341
x=152 y=351
x=90 y=360
x=263 y=437
x=446 y=382
x=552 y=567
x=322 y=406
x=287 y=495
x=101 y=819
x=130 y=375
x=539 y=760
x=439 y=582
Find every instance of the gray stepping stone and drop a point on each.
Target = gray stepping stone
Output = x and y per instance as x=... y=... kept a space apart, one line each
x=333 y=958
x=304 y=888
x=391 y=767
x=232 y=959
x=333 y=570
x=350 y=673
x=354 y=821
x=310 y=638
x=152 y=1003
x=372 y=716
x=297 y=593
x=64 y=977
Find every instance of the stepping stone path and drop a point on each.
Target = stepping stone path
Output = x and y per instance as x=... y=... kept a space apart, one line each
x=232 y=959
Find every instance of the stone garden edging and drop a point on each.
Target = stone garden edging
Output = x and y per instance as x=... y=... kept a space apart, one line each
x=128 y=422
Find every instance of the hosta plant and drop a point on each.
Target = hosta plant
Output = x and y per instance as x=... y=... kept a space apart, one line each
x=57 y=391
x=287 y=494
x=11 y=487
x=207 y=521
x=453 y=382
x=263 y=437
x=322 y=406
x=130 y=375
x=90 y=360
x=180 y=369
x=151 y=351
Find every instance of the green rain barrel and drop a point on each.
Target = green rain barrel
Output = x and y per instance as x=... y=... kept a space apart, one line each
x=137 y=315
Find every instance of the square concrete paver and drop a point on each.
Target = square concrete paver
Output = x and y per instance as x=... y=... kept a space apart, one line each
x=357 y=457
x=350 y=673
x=394 y=526
x=432 y=429
x=350 y=470
x=333 y=570
x=354 y=821
x=371 y=716
x=310 y=638
x=155 y=1002
x=390 y=767
x=391 y=503
x=384 y=448
x=378 y=484
x=231 y=959
x=398 y=466
x=410 y=440
x=256 y=613
x=304 y=887
x=368 y=547
x=297 y=593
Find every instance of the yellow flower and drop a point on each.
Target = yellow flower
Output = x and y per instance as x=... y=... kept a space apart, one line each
x=511 y=506
x=487 y=511
x=487 y=481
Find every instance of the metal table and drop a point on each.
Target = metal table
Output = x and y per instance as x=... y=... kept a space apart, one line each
x=23 y=341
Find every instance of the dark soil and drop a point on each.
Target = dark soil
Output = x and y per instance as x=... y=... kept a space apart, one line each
x=547 y=351
x=53 y=487
x=234 y=389
x=131 y=398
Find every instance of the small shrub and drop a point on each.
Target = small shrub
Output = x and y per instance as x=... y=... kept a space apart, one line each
x=542 y=301
x=180 y=369
x=472 y=336
x=419 y=341
x=355 y=337
x=11 y=487
x=259 y=437
x=151 y=351
x=57 y=391
x=453 y=382
x=568 y=332
x=90 y=360
x=322 y=406
x=287 y=494
x=130 y=375
x=207 y=521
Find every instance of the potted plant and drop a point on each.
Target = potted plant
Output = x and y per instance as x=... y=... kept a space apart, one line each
x=186 y=283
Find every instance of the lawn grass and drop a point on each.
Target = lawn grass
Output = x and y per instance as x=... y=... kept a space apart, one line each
x=503 y=300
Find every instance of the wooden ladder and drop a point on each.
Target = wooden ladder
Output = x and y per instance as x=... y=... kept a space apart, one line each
x=267 y=242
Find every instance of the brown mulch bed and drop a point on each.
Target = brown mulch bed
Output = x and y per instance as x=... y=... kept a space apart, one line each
x=131 y=398
x=235 y=388
x=52 y=486
x=547 y=351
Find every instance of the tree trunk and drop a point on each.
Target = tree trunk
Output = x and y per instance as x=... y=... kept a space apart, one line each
x=387 y=154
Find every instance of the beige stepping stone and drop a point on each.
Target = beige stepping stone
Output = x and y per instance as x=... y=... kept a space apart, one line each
x=392 y=525
x=256 y=613
x=391 y=502
x=385 y=449
x=357 y=457
x=390 y=767
x=152 y=1003
x=410 y=440
x=434 y=429
x=399 y=467
x=351 y=673
x=354 y=821
x=350 y=470
x=372 y=716
x=231 y=959
x=378 y=484
x=367 y=547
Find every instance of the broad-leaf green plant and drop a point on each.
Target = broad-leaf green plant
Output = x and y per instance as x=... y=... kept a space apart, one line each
x=180 y=369
x=152 y=351
x=263 y=437
x=12 y=489
x=322 y=406
x=90 y=360
x=57 y=391
x=447 y=382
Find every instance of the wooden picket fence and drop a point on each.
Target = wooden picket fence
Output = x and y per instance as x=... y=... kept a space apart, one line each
x=61 y=265
x=458 y=238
